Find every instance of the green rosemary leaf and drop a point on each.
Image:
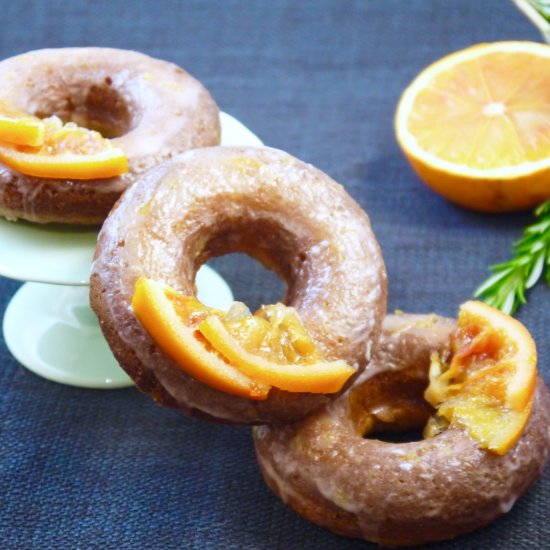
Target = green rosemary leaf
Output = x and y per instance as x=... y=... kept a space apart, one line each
x=536 y=271
x=491 y=282
x=510 y=304
x=506 y=287
x=543 y=209
x=543 y=7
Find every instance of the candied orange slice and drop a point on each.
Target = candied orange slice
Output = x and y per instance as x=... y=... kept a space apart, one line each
x=171 y=325
x=318 y=377
x=487 y=382
x=20 y=128
x=235 y=351
x=67 y=151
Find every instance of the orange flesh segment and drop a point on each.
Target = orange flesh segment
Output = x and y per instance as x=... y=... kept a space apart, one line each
x=180 y=342
x=486 y=113
x=268 y=349
x=67 y=151
x=319 y=377
x=274 y=332
x=488 y=383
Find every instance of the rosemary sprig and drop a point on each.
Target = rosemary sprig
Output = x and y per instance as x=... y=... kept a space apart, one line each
x=506 y=288
x=543 y=7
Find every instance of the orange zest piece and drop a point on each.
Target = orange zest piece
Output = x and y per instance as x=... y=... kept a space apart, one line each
x=488 y=381
x=20 y=128
x=319 y=377
x=475 y=125
x=67 y=152
x=235 y=351
x=179 y=340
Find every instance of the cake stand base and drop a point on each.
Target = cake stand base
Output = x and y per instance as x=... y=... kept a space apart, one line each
x=52 y=331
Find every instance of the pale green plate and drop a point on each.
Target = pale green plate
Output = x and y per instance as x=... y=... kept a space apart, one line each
x=51 y=329
x=46 y=253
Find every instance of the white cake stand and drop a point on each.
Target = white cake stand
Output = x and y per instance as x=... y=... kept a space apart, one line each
x=49 y=326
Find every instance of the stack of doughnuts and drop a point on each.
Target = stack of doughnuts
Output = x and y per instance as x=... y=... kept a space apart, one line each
x=185 y=200
x=319 y=453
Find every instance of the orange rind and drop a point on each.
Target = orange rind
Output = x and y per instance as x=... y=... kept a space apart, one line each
x=179 y=341
x=19 y=128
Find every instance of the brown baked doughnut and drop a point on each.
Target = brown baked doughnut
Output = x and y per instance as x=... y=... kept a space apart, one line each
x=150 y=108
x=260 y=201
x=398 y=493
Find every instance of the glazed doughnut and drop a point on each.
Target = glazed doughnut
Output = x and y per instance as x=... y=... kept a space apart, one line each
x=150 y=108
x=398 y=493
x=260 y=201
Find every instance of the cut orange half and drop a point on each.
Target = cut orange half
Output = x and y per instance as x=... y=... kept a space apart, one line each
x=475 y=126
x=236 y=352
x=20 y=128
x=67 y=152
x=487 y=382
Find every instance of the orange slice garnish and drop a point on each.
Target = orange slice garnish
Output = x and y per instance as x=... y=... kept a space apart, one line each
x=20 y=128
x=236 y=352
x=487 y=382
x=67 y=152
x=170 y=324
x=475 y=125
x=318 y=377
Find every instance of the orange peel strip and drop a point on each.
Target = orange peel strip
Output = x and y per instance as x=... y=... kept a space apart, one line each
x=105 y=164
x=22 y=131
x=521 y=386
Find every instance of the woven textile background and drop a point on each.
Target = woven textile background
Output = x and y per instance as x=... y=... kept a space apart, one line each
x=321 y=80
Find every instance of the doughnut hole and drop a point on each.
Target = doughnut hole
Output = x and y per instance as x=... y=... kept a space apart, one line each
x=268 y=247
x=390 y=407
x=249 y=280
x=97 y=104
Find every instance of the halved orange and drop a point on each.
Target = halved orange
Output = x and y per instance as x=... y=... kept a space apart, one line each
x=475 y=126
x=67 y=152
x=236 y=352
x=20 y=128
x=487 y=382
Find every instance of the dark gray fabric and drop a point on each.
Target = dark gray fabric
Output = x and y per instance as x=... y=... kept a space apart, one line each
x=319 y=79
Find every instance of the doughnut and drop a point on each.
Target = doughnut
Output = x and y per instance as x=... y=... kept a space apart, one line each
x=260 y=201
x=150 y=108
x=390 y=492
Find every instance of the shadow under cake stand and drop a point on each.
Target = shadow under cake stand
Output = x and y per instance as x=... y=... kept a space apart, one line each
x=49 y=326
